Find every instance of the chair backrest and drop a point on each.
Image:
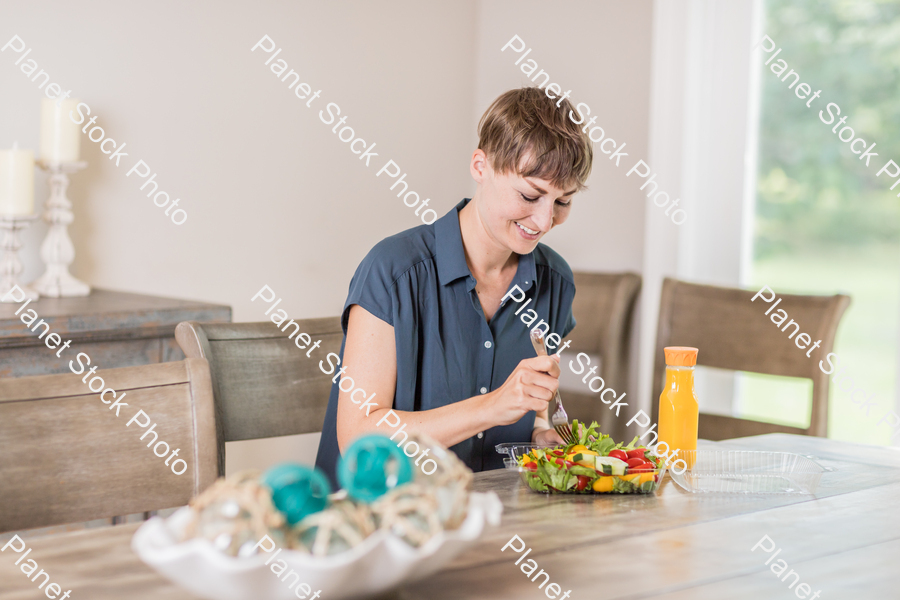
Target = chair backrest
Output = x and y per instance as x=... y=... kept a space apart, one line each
x=263 y=382
x=734 y=333
x=65 y=457
x=603 y=308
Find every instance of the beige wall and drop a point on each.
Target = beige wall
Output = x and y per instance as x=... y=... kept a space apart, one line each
x=272 y=196
x=601 y=51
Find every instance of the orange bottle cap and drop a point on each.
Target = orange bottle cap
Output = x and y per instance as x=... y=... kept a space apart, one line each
x=681 y=356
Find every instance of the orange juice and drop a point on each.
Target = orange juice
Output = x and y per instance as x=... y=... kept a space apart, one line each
x=678 y=407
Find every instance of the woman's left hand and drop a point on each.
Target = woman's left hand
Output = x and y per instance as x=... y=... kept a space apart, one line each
x=546 y=436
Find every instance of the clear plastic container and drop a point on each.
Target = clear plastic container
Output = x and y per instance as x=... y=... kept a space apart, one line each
x=750 y=472
x=646 y=482
x=516 y=449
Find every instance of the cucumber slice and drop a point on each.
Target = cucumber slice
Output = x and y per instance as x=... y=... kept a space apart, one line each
x=610 y=465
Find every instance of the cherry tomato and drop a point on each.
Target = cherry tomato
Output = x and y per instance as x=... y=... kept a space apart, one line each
x=636 y=453
x=620 y=454
x=583 y=481
x=532 y=466
x=634 y=462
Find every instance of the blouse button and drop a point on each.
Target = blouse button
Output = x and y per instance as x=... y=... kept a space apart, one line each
x=484 y=390
x=480 y=435
x=487 y=344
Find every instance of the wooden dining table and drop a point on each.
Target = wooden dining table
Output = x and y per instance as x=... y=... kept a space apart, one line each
x=843 y=541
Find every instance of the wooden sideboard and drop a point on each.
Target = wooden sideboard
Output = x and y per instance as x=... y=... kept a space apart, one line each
x=117 y=329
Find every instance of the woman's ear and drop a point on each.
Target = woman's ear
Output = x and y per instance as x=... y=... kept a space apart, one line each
x=479 y=167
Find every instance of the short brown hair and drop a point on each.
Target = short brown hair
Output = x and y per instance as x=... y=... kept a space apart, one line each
x=525 y=132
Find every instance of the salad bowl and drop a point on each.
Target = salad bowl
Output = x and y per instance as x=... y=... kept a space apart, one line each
x=592 y=463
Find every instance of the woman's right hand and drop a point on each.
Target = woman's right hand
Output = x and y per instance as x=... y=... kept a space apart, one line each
x=531 y=386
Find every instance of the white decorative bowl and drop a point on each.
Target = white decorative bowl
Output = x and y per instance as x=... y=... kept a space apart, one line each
x=380 y=563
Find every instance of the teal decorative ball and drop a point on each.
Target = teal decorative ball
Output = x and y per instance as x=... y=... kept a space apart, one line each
x=297 y=490
x=372 y=466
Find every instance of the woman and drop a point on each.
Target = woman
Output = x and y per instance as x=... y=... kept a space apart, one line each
x=428 y=333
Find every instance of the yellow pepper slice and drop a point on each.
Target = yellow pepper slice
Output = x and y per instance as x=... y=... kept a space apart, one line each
x=604 y=484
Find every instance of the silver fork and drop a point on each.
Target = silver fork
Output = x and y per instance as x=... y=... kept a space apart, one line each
x=559 y=420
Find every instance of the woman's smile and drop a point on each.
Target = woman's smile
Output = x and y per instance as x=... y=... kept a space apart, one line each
x=528 y=233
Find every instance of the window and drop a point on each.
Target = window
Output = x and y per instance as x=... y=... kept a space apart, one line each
x=823 y=222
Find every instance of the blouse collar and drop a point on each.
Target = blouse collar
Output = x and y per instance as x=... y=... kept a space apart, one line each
x=451 y=257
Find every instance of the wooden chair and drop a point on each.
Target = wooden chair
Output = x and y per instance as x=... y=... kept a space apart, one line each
x=603 y=307
x=734 y=333
x=264 y=385
x=66 y=457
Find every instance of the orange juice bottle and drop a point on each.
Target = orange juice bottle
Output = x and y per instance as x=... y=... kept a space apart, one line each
x=678 y=407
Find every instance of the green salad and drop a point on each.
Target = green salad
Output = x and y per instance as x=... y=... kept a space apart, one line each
x=592 y=463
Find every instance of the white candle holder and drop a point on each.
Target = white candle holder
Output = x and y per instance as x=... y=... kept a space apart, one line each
x=10 y=265
x=57 y=251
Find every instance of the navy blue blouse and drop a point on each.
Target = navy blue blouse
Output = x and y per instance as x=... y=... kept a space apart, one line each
x=418 y=282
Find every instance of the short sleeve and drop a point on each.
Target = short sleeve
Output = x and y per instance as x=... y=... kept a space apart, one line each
x=371 y=287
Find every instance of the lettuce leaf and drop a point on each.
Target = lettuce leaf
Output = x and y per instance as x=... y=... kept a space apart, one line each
x=603 y=445
x=591 y=438
x=623 y=486
x=632 y=444
x=586 y=471
x=556 y=476
x=535 y=483
x=547 y=473
x=584 y=434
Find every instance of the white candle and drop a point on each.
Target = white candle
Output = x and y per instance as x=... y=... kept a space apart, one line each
x=16 y=182
x=60 y=136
